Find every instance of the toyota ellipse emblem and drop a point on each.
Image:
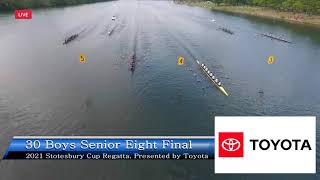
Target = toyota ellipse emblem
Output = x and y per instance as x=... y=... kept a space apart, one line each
x=231 y=144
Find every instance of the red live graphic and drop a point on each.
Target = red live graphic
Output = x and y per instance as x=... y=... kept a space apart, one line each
x=23 y=14
x=230 y=144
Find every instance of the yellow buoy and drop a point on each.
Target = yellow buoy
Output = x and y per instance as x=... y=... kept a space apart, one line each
x=82 y=58
x=270 y=60
x=180 y=60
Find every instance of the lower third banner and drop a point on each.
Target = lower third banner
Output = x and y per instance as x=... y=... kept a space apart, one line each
x=111 y=147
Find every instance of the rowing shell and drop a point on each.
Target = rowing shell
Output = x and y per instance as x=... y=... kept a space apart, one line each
x=221 y=88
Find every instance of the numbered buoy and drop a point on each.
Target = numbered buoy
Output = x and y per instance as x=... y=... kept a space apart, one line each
x=82 y=58
x=270 y=60
x=180 y=60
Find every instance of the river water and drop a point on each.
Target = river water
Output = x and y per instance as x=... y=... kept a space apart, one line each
x=44 y=90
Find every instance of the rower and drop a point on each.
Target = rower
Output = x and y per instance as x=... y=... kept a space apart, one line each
x=213 y=77
x=211 y=74
x=219 y=84
x=202 y=65
x=216 y=80
x=208 y=72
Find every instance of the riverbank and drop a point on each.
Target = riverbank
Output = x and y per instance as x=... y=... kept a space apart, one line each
x=299 y=18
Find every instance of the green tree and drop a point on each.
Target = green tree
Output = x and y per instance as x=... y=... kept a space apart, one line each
x=298 y=6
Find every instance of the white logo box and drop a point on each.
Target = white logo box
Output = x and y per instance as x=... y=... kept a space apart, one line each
x=268 y=161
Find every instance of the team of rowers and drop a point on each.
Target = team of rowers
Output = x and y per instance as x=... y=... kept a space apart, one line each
x=215 y=79
x=226 y=30
x=271 y=36
x=133 y=62
x=71 y=38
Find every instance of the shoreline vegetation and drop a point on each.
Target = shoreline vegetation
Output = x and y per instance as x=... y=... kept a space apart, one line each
x=266 y=12
x=10 y=5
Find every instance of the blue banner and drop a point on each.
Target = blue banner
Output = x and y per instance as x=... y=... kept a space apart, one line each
x=111 y=147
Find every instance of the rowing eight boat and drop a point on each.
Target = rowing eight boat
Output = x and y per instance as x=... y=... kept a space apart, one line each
x=212 y=77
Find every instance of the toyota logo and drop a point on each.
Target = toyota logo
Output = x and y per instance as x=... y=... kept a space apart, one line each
x=231 y=144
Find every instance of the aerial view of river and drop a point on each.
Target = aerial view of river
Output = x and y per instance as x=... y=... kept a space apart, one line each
x=45 y=90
